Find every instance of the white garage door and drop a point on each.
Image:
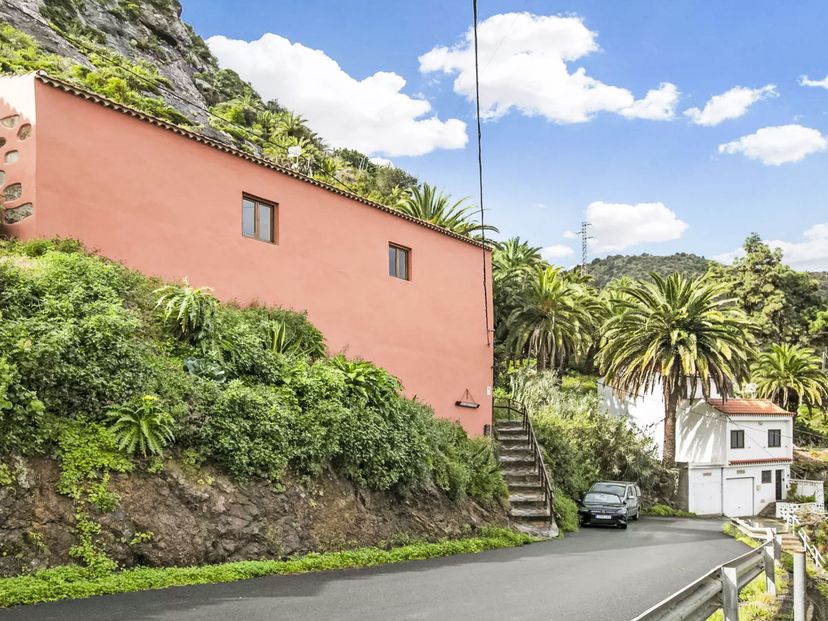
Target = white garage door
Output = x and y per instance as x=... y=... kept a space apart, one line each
x=738 y=497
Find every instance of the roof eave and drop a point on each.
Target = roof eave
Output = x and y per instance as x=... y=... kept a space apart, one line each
x=217 y=144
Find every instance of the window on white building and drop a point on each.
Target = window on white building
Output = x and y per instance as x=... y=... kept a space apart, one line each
x=766 y=476
x=737 y=438
x=774 y=438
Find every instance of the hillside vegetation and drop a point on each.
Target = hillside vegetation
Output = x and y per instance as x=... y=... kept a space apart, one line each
x=107 y=371
x=142 y=55
x=640 y=266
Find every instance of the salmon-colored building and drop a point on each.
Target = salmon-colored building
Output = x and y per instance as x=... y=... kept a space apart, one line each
x=380 y=285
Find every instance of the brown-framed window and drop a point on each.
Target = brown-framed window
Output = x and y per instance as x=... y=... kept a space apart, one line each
x=737 y=438
x=774 y=438
x=766 y=476
x=258 y=219
x=399 y=261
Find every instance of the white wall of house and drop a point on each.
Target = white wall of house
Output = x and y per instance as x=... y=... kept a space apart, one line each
x=700 y=434
x=735 y=491
x=647 y=413
x=756 y=437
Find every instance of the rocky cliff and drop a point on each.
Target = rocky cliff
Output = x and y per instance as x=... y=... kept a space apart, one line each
x=188 y=516
x=150 y=32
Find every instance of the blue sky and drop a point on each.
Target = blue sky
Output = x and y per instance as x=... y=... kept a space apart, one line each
x=558 y=142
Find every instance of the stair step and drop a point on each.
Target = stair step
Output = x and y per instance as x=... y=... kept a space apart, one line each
x=517 y=447
x=516 y=454
x=531 y=513
x=517 y=459
x=533 y=487
x=511 y=428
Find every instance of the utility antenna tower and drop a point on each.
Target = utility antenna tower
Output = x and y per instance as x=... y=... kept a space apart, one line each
x=585 y=236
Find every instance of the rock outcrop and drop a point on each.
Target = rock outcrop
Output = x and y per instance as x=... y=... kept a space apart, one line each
x=184 y=516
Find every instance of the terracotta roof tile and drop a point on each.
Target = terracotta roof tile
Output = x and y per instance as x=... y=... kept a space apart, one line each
x=748 y=407
x=767 y=460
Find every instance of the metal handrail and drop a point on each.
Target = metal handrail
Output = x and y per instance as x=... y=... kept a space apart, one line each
x=799 y=530
x=516 y=407
x=720 y=587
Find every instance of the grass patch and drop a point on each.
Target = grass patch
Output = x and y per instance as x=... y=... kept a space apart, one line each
x=660 y=510
x=73 y=582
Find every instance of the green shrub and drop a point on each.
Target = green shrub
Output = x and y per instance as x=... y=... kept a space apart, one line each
x=566 y=512
x=67 y=335
x=463 y=466
x=388 y=447
x=661 y=510
x=248 y=430
x=583 y=445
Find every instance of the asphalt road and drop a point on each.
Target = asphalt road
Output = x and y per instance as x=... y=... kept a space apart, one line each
x=598 y=574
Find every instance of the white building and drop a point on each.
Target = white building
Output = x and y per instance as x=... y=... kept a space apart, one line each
x=735 y=454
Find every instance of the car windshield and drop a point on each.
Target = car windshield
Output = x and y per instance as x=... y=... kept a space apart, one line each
x=602 y=498
x=609 y=488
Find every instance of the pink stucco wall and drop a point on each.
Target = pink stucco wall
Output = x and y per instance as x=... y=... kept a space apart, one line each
x=171 y=207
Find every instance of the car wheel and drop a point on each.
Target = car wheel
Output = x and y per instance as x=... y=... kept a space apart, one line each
x=637 y=513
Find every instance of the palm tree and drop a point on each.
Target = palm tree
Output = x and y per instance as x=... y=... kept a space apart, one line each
x=790 y=375
x=513 y=262
x=553 y=320
x=679 y=333
x=433 y=206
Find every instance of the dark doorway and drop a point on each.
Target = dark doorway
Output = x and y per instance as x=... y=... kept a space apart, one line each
x=779 y=474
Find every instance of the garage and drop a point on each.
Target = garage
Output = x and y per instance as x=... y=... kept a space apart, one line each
x=738 y=497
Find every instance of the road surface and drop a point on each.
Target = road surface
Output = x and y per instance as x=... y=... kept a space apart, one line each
x=598 y=574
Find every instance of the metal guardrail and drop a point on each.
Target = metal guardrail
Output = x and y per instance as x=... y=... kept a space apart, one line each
x=720 y=587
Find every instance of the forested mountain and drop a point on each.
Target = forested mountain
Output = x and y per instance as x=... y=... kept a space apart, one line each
x=640 y=265
x=142 y=55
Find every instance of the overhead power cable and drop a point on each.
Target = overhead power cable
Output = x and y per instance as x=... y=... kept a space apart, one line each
x=480 y=175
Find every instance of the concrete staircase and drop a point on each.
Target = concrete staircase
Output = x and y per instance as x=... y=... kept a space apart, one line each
x=530 y=504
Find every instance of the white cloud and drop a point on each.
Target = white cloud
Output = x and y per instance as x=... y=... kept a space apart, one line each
x=381 y=161
x=778 y=145
x=556 y=251
x=371 y=115
x=523 y=66
x=806 y=81
x=570 y=235
x=658 y=105
x=729 y=105
x=811 y=253
x=616 y=226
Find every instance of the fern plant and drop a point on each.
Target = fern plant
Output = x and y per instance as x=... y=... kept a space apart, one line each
x=190 y=312
x=141 y=426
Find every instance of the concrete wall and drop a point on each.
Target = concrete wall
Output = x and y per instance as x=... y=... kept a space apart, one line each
x=171 y=207
x=18 y=154
x=698 y=426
